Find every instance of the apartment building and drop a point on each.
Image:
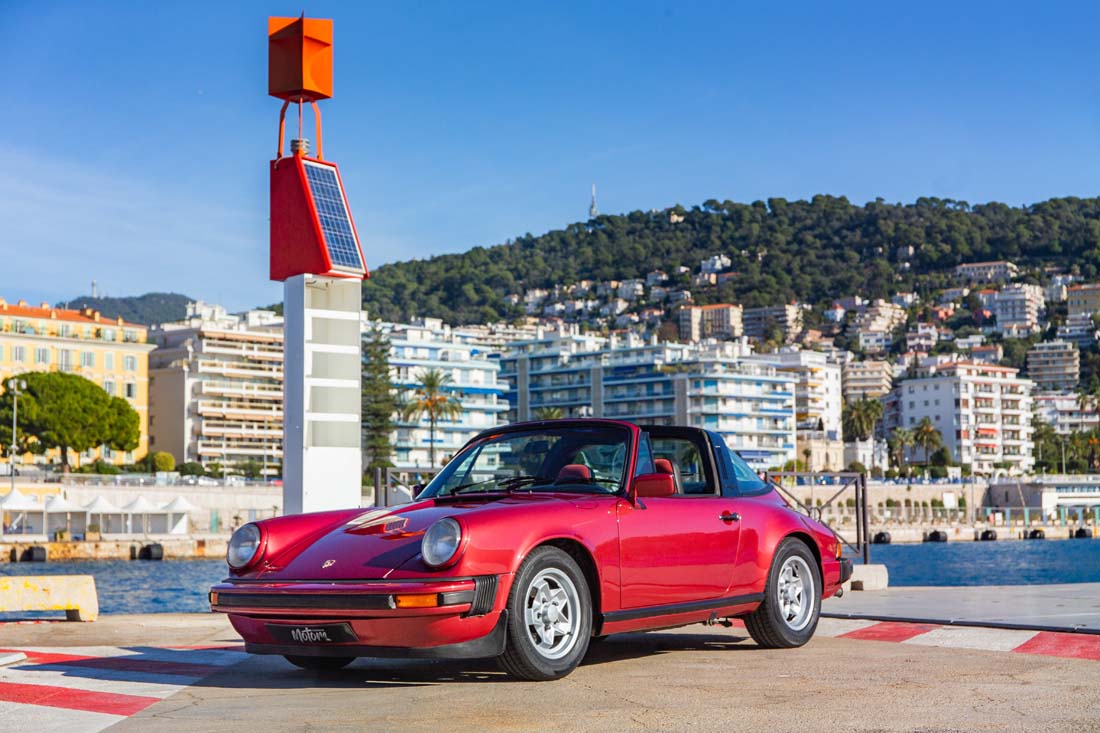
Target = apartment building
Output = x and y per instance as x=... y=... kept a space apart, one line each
x=1079 y=329
x=721 y=320
x=818 y=403
x=986 y=272
x=216 y=386
x=869 y=379
x=1083 y=300
x=757 y=322
x=464 y=356
x=1065 y=412
x=982 y=411
x=710 y=386
x=110 y=352
x=1017 y=308
x=1054 y=365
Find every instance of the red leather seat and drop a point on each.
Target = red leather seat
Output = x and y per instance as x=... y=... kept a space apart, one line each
x=574 y=472
x=664 y=465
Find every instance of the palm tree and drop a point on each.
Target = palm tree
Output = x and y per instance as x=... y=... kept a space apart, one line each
x=549 y=413
x=432 y=398
x=860 y=419
x=902 y=439
x=927 y=437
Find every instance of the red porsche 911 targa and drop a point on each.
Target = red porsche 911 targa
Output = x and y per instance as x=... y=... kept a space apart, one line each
x=536 y=539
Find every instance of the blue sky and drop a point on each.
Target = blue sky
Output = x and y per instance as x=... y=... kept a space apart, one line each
x=138 y=134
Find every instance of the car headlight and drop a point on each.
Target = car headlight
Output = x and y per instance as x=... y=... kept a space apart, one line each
x=441 y=543
x=244 y=547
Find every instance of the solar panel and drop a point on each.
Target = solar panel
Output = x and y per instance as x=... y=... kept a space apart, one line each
x=328 y=198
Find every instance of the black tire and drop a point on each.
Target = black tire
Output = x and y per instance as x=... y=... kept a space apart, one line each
x=524 y=659
x=768 y=625
x=319 y=664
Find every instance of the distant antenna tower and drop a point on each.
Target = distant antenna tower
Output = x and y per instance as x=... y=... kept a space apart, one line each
x=93 y=289
x=593 y=212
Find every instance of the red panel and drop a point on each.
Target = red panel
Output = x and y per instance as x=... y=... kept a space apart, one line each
x=67 y=697
x=1054 y=644
x=890 y=631
x=296 y=246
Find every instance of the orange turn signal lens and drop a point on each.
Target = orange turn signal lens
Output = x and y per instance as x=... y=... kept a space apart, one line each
x=421 y=600
x=213 y=598
x=839 y=550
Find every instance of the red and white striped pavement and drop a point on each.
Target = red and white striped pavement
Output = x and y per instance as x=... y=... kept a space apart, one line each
x=87 y=689
x=1046 y=643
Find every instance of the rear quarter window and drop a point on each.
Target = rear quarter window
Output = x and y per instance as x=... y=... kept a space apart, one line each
x=738 y=478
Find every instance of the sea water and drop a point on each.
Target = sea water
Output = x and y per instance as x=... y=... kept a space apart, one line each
x=180 y=586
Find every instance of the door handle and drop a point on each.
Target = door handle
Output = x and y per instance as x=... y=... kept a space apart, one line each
x=728 y=517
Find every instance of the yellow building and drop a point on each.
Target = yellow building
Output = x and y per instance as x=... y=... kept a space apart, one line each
x=110 y=352
x=1083 y=300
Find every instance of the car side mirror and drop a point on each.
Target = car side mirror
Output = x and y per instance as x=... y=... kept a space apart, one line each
x=652 y=485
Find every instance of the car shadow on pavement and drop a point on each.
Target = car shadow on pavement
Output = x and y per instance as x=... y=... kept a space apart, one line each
x=272 y=672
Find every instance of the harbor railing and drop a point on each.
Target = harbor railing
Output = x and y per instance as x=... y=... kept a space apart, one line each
x=836 y=486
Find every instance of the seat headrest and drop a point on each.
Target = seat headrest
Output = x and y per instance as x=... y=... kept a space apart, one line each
x=574 y=471
x=663 y=465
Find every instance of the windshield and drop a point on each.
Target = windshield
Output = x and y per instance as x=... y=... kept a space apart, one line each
x=584 y=460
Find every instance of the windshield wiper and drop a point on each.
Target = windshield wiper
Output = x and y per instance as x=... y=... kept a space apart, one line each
x=507 y=484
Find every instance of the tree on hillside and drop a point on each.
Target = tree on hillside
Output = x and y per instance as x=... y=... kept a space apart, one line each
x=69 y=412
x=379 y=402
x=813 y=251
x=434 y=400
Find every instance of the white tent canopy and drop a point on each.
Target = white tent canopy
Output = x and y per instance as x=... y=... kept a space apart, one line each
x=178 y=511
x=21 y=514
x=64 y=514
x=152 y=519
x=105 y=515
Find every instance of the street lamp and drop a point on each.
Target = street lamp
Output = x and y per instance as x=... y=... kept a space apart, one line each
x=16 y=386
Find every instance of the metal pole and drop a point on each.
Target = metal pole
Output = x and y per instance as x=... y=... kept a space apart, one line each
x=14 y=424
x=866 y=525
x=859 y=525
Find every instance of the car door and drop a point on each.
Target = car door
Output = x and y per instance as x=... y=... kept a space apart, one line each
x=680 y=548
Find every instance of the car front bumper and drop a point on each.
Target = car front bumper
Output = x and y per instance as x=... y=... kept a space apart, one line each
x=440 y=618
x=845 y=569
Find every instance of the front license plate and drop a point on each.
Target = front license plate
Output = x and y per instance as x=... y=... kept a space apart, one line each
x=312 y=634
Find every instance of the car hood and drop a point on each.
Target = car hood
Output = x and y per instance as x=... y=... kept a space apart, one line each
x=373 y=544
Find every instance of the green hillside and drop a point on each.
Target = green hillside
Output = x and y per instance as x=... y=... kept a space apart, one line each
x=147 y=309
x=812 y=251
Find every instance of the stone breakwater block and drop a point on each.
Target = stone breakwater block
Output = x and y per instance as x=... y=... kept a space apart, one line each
x=870 y=577
x=73 y=594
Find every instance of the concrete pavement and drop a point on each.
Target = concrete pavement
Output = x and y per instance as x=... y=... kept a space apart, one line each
x=1070 y=607
x=696 y=678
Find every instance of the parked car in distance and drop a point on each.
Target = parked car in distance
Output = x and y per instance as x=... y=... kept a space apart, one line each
x=536 y=539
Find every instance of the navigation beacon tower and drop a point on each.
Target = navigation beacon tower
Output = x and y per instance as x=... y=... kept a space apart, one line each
x=315 y=253
x=593 y=212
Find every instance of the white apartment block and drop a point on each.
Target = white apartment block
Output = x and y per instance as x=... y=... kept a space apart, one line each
x=715 y=264
x=1064 y=412
x=983 y=413
x=758 y=321
x=751 y=405
x=868 y=379
x=874 y=342
x=986 y=272
x=1017 y=308
x=464 y=356
x=1054 y=366
x=818 y=402
x=216 y=388
x=721 y=320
